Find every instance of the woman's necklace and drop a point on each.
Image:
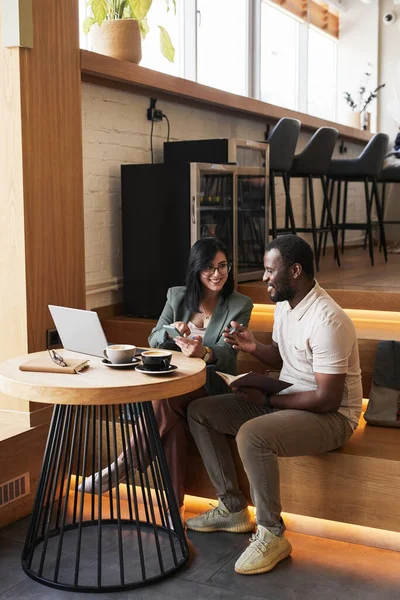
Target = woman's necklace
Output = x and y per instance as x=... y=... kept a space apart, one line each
x=207 y=316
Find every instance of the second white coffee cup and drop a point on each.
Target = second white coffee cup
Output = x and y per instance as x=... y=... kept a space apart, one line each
x=120 y=353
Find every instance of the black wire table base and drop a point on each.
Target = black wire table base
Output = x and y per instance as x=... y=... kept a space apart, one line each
x=105 y=517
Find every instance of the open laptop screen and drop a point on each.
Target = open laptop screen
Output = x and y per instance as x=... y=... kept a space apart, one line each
x=79 y=330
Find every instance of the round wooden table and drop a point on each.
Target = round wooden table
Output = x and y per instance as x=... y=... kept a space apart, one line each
x=85 y=537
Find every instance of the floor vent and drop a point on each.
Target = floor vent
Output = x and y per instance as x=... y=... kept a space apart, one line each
x=14 y=489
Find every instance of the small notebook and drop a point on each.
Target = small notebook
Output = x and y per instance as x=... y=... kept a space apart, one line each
x=266 y=384
x=44 y=364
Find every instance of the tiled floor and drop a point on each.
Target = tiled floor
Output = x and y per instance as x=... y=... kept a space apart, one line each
x=319 y=569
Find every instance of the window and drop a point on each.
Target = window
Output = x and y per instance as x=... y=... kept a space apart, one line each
x=282 y=53
x=83 y=13
x=152 y=57
x=279 y=57
x=221 y=44
x=322 y=53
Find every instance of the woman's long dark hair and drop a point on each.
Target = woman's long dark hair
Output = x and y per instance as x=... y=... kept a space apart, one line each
x=201 y=255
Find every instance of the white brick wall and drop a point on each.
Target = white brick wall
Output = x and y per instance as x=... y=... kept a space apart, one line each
x=116 y=131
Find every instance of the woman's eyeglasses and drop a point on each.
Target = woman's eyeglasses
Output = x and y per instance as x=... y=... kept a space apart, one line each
x=223 y=269
x=57 y=358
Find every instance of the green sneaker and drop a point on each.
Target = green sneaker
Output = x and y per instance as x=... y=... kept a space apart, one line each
x=218 y=518
x=263 y=554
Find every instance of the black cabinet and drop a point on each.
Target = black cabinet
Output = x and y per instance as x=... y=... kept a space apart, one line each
x=167 y=207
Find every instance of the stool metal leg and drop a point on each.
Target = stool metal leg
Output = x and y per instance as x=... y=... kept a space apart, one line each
x=368 y=204
x=327 y=210
x=332 y=191
x=382 y=237
x=104 y=535
x=344 y=213
x=383 y=208
x=338 y=199
x=273 y=203
x=289 y=208
x=313 y=220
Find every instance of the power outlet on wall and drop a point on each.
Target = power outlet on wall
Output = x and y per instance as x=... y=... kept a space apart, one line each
x=52 y=338
x=153 y=113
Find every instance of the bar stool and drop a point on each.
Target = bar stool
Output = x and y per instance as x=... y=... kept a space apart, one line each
x=314 y=162
x=367 y=168
x=282 y=145
x=389 y=174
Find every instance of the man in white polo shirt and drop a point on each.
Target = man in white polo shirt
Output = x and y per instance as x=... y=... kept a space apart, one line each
x=314 y=344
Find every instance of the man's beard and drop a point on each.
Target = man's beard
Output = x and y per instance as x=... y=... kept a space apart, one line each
x=285 y=292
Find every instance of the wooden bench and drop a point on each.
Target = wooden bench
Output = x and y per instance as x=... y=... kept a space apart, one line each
x=358 y=484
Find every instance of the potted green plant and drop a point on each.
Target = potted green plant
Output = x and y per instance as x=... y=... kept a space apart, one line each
x=118 y=26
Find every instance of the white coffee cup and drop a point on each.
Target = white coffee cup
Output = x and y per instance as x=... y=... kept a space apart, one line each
x=120 y=353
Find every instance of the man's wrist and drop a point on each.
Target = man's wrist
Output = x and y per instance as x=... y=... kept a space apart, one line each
x=258 y=346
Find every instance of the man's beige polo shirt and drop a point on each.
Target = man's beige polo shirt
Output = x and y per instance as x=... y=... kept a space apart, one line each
x=318 y=337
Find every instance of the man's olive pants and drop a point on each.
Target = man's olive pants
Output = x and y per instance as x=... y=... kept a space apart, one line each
x=261 y=437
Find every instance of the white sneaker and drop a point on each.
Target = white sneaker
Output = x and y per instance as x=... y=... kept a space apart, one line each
x=264 y=552
x=102 y=480
x=218 y=518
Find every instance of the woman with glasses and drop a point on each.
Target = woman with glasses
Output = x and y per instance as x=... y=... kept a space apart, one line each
x=201 y=311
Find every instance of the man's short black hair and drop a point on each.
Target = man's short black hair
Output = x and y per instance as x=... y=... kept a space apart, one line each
x=294 y=249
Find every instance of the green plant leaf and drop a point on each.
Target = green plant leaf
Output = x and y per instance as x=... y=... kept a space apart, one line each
x=99 y=9
x=168 y=3
x=144 y=28
x=140 y=8
x=166 y=46
x=87 y=23
x=121 y=8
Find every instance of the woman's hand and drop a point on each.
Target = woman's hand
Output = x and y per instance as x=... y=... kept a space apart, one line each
x=191 y=347
x=182 y=327
x=242 y=339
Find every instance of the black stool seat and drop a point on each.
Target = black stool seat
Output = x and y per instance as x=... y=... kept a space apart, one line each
x=367 y=168
x=368 y=164
x=317 y=155
x=352 y=170
x=282 y=145
x=314 y=162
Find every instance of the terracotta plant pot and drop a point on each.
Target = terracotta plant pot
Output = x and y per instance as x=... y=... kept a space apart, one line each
x=119 y=38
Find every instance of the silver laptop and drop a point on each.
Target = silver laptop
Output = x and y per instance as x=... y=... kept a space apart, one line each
x=79 y=330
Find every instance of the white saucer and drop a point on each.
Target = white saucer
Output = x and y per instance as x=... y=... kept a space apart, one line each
x=108 y=363
x=142 y=369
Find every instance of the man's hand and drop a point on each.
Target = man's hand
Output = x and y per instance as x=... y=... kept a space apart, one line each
x=191 y=347
x=182 y=327
x=251 y=395
x=242 y=339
